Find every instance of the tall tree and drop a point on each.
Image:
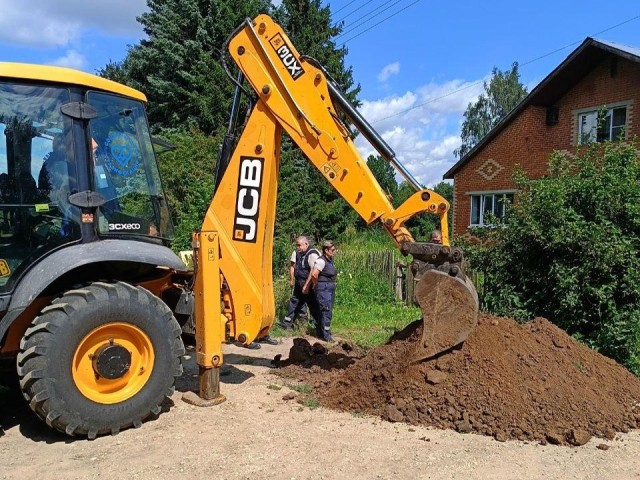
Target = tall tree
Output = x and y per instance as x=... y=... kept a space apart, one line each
x=501 y=94
x=187 y=174
x=115 y=71
x=178 y=64
x=306 y=202
x=384 y=173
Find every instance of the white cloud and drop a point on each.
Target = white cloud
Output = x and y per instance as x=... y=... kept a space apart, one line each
x=388 y=70
x=71 y=59
x=422 y=126
x=43 y=23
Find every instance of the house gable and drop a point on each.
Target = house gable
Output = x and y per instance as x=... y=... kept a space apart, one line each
x=593 y=76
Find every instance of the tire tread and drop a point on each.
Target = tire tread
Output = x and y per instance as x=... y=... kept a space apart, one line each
x=34 y=347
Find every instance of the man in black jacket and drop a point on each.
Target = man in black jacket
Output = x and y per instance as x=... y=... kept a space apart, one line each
x=302 y=261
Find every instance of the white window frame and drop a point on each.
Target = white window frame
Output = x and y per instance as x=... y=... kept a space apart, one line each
x=589 y=117
x=483 y=197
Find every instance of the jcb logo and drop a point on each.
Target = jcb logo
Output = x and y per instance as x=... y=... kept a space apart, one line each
x=248 y=201
x=287 y=57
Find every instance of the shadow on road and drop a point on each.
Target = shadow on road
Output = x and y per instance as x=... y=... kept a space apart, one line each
x=15 y=412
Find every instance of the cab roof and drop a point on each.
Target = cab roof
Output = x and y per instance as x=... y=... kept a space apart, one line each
x=67 y=76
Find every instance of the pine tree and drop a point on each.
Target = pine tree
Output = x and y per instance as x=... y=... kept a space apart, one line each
x=178 y=65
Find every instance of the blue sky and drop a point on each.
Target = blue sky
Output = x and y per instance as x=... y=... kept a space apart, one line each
x=419 y=62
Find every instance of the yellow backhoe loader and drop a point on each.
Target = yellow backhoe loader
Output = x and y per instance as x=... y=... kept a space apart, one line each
x=90 y=293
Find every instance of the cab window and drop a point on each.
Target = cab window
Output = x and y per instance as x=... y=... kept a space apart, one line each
x=125 y=171
x=37 y=175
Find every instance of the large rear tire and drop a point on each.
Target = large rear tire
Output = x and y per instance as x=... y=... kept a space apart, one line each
x=100 y=359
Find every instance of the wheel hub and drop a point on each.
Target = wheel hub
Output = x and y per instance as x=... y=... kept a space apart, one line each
x=111 y=361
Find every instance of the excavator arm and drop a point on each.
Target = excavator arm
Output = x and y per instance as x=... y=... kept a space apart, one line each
x=301 y=96
x=233 y=250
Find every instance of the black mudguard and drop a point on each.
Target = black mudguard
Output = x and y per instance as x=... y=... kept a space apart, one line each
x=53 y=266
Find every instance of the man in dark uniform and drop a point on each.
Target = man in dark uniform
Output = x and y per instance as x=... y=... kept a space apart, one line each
x=323 y=278
x=302 y=260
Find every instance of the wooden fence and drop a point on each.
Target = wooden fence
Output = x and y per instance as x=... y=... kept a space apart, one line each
x=391 y=266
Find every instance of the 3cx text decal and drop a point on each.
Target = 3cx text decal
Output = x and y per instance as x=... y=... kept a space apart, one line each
x=286 y=56
x=248 y=200
x=122 y=155
x=115 y=227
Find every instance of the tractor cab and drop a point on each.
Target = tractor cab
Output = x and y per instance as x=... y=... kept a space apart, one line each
x=77 y=165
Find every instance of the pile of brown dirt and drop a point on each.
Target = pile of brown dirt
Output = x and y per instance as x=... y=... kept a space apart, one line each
x=528 y=382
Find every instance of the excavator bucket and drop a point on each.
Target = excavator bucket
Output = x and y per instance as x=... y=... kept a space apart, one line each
x=447 y=298
x=449 y=311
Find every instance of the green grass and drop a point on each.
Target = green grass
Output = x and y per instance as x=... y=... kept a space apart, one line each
x=362 y=317
x=370 y=240
x=371 y=324
x=311 y=403
x=366 y=310
x=300 y=388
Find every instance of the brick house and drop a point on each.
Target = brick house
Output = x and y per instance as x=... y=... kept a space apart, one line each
x=559 y=114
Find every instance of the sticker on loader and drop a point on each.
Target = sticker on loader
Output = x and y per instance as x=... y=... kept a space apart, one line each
x=331 y=170
x=285 y=54
x=5 y=271
x=123 y=157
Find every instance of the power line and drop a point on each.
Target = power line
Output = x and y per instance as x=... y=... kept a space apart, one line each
x=376 y=24
x=579 y=41
x=353 y=11
x=354 y=25
x=522 y=64
x=344 y=6
x=384 y=3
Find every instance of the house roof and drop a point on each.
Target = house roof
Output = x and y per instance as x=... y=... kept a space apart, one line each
x=580 y=62
x=61 y=75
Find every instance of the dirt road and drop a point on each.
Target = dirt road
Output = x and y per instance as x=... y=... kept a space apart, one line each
x=256 y=434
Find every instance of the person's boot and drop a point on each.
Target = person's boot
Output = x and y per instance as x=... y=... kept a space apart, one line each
x=285 y=324
x=267 y=339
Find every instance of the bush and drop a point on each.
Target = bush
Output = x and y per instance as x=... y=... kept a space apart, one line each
x=570 y=252
x=188 y=178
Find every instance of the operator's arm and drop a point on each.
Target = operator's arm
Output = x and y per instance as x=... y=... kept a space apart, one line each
x=292 y=265
x=311 y=259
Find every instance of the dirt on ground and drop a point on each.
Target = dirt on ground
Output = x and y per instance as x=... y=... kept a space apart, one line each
x=527 y=382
